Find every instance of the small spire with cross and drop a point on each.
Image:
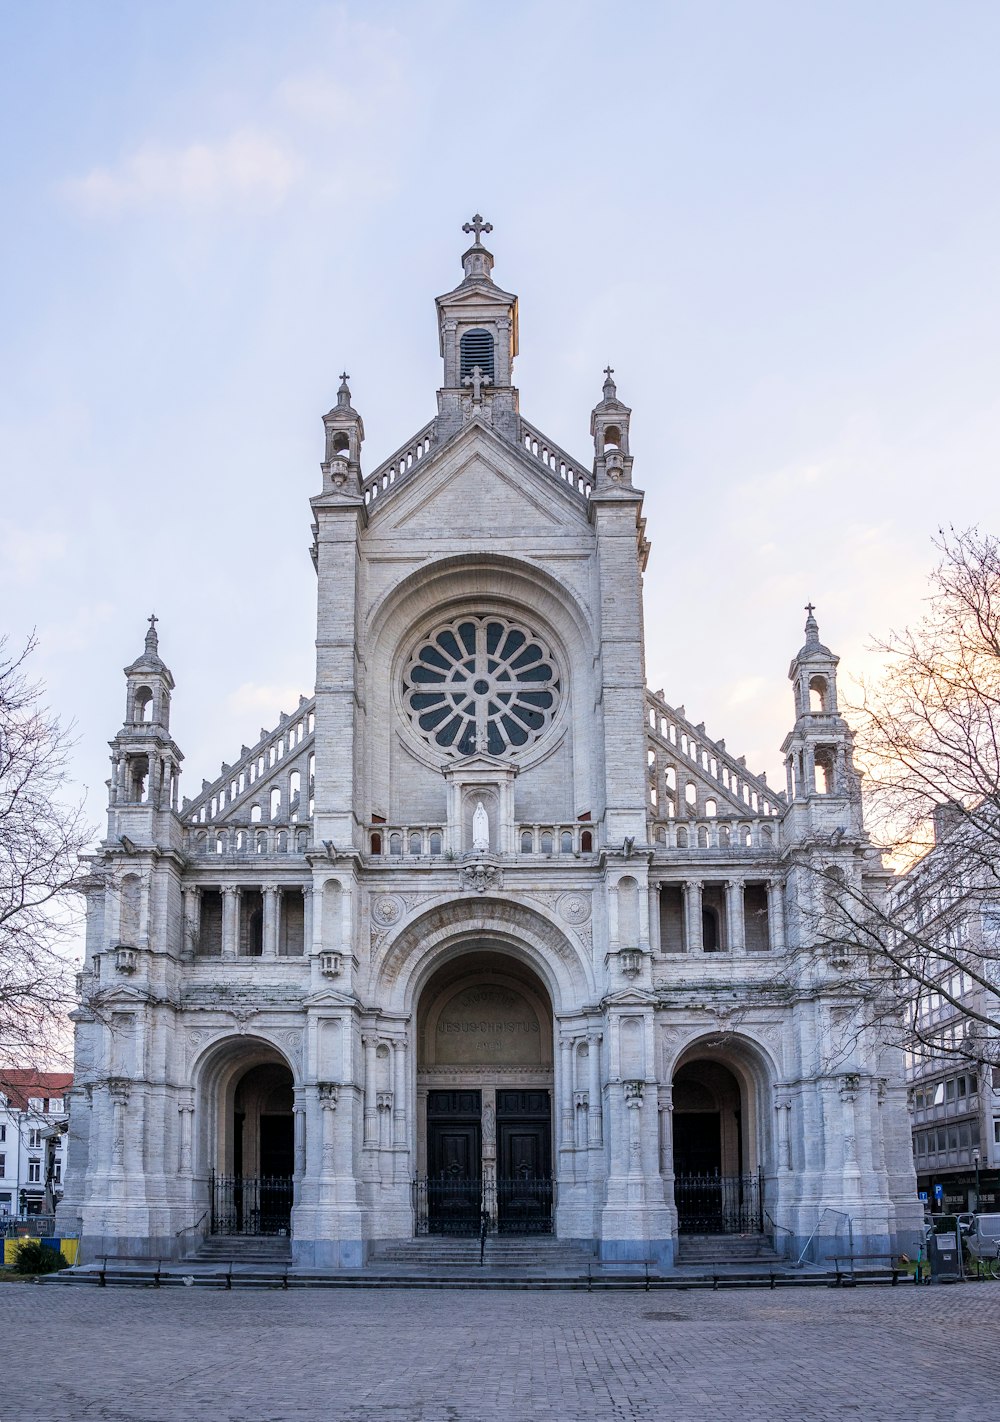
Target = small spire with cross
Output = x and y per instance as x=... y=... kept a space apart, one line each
x=152 y=641
x=812 y=626
x=477 y=379
x=478 y=226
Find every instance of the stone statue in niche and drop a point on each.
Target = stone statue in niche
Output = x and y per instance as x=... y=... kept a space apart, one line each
x=489 y=1127
x=480 y=828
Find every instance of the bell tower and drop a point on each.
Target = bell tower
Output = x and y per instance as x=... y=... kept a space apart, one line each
x=609 y=427
x=345 y=434
x=477 y=325
x=824 y=791
x=145 y=761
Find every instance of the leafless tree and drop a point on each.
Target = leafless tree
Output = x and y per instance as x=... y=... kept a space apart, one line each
x=42 y=833
x=927 y=735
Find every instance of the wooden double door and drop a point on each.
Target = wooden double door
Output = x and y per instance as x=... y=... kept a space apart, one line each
x=519 y=1199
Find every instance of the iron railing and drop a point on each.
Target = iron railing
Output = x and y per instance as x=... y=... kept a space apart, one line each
x=244 y=1204
x=719 y=1204
x=459 y=1205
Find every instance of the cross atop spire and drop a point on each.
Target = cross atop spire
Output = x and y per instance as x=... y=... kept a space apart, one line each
x=152 y=641
x=810 y=608
x=477 y=225
x=609 y=371
x=812 y=626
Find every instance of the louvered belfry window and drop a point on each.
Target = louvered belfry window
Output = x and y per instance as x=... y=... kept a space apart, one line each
x=476 y=349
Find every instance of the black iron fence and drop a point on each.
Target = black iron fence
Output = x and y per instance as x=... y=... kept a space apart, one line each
x=456 y=1206
x=719 y=1204
x=244 y=1204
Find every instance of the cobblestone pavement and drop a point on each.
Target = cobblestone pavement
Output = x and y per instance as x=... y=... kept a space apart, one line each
x=138 y=1355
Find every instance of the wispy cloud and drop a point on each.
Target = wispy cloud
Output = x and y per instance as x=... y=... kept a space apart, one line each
x=247 y=169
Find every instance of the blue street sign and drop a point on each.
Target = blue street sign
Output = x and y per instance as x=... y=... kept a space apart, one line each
x=939 y=1192
x=923 y=1194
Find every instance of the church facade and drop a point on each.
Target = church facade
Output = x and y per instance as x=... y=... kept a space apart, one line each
x=485 y=930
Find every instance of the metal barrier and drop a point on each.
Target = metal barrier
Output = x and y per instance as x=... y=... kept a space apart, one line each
x=459 y=1205
x=719 y=1204
x=251 y=1205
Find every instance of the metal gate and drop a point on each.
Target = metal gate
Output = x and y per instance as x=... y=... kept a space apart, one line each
x=456 y=1205
x=719 y=1204
x=243 y=1204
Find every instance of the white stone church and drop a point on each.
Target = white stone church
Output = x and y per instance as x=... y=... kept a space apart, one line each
x=485 y=933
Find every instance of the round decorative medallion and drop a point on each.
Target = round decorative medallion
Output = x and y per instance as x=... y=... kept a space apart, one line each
x=481 y=684
x=386 y=909
x=574 y=908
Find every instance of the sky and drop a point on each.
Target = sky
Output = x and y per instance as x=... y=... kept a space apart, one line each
x=777 y=221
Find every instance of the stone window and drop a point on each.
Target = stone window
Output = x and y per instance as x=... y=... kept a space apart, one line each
x=481 y=683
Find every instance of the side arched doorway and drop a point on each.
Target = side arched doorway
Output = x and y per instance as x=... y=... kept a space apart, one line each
x=248 y=1139
x=484 y=1099
x=717 y=1150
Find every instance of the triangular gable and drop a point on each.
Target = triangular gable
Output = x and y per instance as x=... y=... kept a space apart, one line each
x=474 y=474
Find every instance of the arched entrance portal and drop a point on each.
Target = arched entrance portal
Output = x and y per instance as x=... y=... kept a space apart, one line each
x=251 y=1141
x=484 y=1098
x=717 y=1185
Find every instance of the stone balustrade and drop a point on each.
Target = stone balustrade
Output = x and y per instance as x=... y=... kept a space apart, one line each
x=245 y=843
x=430 y=841
x=556 y=460
x=717 y=835
x=399 y=465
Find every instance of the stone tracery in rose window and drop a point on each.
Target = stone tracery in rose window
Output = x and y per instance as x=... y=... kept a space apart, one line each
x=481 y=684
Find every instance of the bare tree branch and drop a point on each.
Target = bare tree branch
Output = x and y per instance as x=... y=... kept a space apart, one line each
x=41 y=837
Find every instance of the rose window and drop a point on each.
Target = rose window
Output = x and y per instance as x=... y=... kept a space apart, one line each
x=481 y=683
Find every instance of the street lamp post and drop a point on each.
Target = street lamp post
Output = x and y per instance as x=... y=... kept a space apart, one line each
x=975 y=1162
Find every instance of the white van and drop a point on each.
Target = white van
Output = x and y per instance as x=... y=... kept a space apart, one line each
x=983 y=1238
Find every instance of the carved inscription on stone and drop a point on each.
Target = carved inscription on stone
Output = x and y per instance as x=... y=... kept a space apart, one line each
x=488 y=1023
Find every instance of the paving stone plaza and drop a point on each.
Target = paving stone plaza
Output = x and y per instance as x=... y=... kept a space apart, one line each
x=140 y=1355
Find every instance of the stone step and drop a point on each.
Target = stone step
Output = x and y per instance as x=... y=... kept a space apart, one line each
x=244 y=1249
x=725 y=1249
x=438 y=1253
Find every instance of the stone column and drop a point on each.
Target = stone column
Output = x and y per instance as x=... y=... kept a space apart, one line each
x=299 y=1126
x=187 y=1132
x=776 y=915
x=370 y=1043
x=692 y=906
x=307 y=919
x=566 y=1093
x=329 y=1093
x=784 y=1109
x=119 y=1103
x=595 y=1112
x=270 y=924
x=489 y=1152
x=734 y=915
x=667 y=1130
x=633 y=1105
x=399 y=1091
x=230 y=920
x=152 y=777
x=192 y=923
x=383 y=1105
x=653 y=915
